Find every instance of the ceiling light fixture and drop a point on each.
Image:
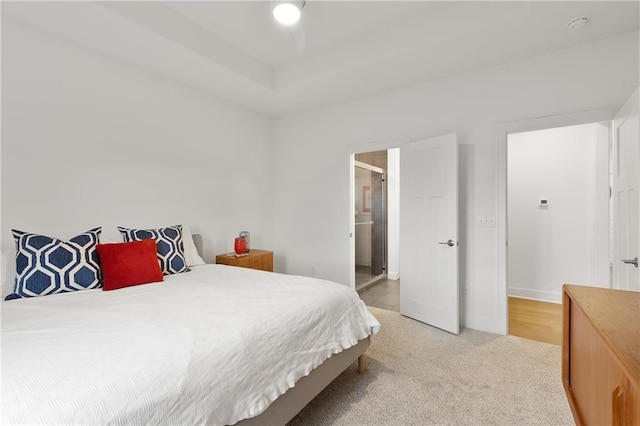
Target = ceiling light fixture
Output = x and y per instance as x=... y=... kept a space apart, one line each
x=288 y=12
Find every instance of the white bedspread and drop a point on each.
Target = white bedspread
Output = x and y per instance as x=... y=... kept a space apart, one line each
x=214 y=345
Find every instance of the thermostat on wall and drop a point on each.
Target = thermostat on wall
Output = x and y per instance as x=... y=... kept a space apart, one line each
x=544 y=202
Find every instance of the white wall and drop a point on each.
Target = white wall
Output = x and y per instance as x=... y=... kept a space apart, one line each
x=88 y=142
x=566 y=241
x=472 y=104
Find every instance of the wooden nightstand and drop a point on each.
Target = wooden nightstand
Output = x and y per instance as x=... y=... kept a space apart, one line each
x=256 y=259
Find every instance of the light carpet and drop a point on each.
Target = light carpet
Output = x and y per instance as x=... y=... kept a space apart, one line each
x=420 y=375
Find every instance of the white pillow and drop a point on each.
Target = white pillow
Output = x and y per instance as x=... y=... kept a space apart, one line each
x=7 y=273
x=190 y=251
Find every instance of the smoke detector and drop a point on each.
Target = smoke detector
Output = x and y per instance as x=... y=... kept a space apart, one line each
x=577 y=23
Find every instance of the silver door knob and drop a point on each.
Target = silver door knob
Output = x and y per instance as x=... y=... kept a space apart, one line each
x=450 y=243
x=633 y=261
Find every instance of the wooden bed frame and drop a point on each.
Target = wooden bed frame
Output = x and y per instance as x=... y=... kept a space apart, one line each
x=283 y=409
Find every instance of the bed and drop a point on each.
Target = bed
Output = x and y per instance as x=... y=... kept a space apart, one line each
x=217 y=345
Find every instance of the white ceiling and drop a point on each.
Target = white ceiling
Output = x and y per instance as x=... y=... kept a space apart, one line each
x=339 y=51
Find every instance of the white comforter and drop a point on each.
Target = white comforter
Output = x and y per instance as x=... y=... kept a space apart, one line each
x=214 y=345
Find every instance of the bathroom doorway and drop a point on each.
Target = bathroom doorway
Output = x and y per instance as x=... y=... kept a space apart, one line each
x=370 y=209
x=375 y=243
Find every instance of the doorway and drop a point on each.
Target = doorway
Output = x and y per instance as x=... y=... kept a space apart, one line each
x=428 y=170
x=504 y=130
x=375 y=209
x=370 y=205
x=558 y=227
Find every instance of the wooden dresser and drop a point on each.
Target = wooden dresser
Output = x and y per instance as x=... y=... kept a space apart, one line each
x=256 y=259
x=601 y=355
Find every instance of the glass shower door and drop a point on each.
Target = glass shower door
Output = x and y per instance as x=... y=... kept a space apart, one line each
x=370 y=224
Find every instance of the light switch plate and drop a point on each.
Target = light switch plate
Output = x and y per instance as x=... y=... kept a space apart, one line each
x=486 y=221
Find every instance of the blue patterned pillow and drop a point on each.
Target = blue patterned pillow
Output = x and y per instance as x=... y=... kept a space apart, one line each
x=46 y=265
x=170 y=247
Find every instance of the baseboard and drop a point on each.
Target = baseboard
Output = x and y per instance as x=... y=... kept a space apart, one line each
x=393 y=276
x=544 y=296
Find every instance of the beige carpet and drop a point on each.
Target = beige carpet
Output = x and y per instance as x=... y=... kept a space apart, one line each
x=419 y=375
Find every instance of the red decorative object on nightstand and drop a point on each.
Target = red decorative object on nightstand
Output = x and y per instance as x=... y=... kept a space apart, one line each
x=240 y=245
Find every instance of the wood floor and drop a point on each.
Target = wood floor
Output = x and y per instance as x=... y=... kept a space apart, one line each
x=535 y=320
x=531 y=319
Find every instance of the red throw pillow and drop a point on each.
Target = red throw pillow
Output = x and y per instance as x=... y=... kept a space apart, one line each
x=129 y=264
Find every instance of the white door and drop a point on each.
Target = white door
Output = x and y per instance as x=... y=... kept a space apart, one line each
x=626 y=202
x=429 y=231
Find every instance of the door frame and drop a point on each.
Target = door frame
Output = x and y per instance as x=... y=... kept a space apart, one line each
x=627 y=111
x=503 y=131
x=352 y=150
